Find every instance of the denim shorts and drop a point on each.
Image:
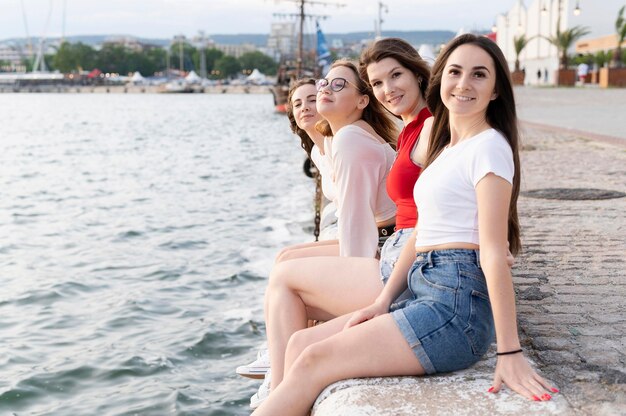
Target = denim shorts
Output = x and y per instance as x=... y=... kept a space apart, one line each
x=389 y=255
x=447 y=321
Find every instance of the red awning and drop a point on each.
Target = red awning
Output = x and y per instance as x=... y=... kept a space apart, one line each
x=94 y=74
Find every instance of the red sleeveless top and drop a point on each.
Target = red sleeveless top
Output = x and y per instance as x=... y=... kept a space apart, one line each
x=404 y=173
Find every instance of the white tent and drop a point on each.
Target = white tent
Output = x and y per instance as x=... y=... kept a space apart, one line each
x=256 y=77
x=193 y=78
x=137 y=78
x=426 y=52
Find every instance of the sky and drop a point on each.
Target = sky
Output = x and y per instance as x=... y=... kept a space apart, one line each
x=166 y=18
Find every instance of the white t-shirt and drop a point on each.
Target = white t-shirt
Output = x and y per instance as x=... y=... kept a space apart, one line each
x=445 y=191
x=360 y=165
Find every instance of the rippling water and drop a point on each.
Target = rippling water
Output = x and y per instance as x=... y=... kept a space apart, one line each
x=137 y=232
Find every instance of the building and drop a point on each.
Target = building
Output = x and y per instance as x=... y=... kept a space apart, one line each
x=236 y=50
x=282 y=40
x=603 y=43
x=12 y=58
x=539 y=20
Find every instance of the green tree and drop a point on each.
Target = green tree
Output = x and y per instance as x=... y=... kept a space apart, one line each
x=620 y=28
x=72 y=57
x=519 y=43
x=212 y=55
x=113 y=58
x=252 y=60
x=228 y=66
x=565 y=39
x=189 y=52
x=601 y=58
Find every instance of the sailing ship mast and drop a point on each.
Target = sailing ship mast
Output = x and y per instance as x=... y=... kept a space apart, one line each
x=301 y=16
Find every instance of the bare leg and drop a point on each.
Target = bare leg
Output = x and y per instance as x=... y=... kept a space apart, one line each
x=315 y=249
x=305 y=337
x=372 y=349
x=332 y=286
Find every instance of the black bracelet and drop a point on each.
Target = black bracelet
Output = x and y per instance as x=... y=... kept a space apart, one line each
x=509 y=352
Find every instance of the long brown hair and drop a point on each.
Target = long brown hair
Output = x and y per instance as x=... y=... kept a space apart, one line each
x=374 y=114
x=500 y=114
x=305 y=141
x=401 y=51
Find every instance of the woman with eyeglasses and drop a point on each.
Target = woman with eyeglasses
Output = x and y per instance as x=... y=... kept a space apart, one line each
x=455 y=263
x=326 y=287
x=356 y=136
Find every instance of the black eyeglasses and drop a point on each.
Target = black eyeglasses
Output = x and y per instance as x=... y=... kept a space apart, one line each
x=336 y=84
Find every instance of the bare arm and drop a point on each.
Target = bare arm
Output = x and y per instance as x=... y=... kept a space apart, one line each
x=493 y=194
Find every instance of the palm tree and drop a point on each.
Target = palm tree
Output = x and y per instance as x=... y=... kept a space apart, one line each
x=565 y=39
x=519 y=43
x=620 y=27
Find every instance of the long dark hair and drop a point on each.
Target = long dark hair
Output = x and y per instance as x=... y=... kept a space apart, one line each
x=401 y=51
x=305 y=141
x=501 y=115
x=374 y=114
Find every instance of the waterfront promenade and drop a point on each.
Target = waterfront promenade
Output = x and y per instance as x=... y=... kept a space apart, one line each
x=570 y=279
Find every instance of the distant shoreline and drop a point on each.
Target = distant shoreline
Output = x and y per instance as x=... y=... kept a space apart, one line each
x=132 y=89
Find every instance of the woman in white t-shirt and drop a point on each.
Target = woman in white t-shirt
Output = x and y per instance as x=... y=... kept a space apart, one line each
x=455 y=264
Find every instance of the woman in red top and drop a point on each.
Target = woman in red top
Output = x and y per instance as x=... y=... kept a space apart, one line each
x=327 y=287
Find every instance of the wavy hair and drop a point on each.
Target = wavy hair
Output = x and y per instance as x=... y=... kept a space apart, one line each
x=305 y=141
x=401 y=51
x=500 y=115
x=374 y=114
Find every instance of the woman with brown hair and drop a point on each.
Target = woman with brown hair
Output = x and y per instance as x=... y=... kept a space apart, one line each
x=461 y=285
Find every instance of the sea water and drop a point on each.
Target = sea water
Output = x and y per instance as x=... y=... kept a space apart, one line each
x=136 y=236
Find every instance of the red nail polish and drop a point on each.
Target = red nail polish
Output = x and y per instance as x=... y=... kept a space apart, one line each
x=535 y=398
x=490 y=389
x=554 y=390
x=546 y=397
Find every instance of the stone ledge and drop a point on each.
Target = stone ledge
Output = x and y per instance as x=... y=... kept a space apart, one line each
x=460 y=393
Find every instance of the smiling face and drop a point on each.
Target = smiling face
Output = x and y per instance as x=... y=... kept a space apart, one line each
x=395 y=87
x=303 y=104
x=337 y=105
x=468 y=81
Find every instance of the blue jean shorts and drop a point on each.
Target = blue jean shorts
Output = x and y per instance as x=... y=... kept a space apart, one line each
x=389 y=255
x=447 y=321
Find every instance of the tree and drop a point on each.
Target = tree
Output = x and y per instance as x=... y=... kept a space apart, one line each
x=227 y=66
x=71 y=57
x=212 y=55
x=564 y=40
x=113 y=58
x=601 y=58
x=519 y=43
x=620 y=27
x=189 y=52
x=262 y=62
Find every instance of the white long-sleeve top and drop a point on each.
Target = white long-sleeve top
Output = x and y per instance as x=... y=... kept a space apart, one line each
x=328 y=214
x=324 y=166
x=360 y=166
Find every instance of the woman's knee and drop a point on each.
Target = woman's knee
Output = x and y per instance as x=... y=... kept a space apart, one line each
x=312 y=358
x=278 y=276
x=298 y=342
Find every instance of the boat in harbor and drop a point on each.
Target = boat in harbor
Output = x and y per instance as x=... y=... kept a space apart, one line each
x=295 y=67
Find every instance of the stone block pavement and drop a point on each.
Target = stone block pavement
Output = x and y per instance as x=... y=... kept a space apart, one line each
x=571 y=278
x=571 y=296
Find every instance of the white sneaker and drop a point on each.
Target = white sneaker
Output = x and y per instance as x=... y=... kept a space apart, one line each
x=258 y=367
x=261 y=394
